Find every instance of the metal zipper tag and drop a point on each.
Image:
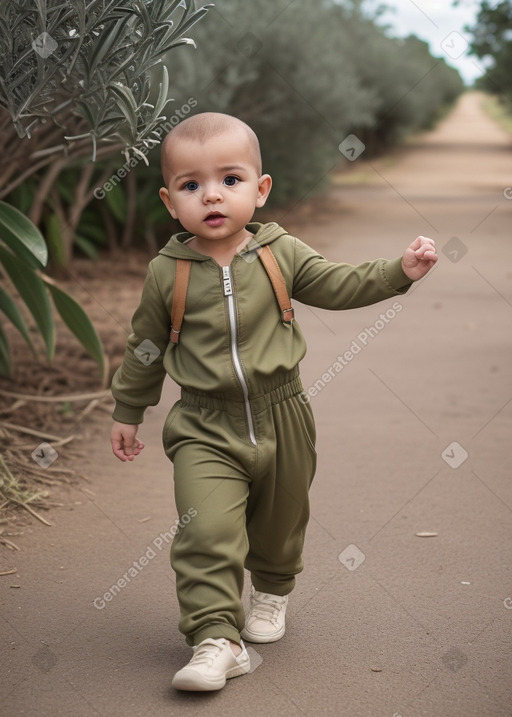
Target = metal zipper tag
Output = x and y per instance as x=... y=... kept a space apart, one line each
x=226 y=276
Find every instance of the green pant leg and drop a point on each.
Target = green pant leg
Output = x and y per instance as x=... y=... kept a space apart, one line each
x=208 y=553
x=278 y=506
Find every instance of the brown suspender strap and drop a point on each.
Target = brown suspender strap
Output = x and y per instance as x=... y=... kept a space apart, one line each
x=278 y=283
x=181 y=285
x=179 y=297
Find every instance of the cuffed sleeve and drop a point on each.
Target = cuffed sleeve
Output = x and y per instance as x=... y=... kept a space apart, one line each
x=128 y=414
x=394 y=276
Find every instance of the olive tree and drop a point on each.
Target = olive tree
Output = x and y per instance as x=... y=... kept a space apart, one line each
x=76 y=85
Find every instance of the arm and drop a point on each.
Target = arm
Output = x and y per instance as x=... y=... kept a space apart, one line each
x=138 y=382
x=331 y=285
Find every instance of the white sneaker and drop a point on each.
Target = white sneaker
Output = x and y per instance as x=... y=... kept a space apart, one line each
x=266 y=619
x=212 y=664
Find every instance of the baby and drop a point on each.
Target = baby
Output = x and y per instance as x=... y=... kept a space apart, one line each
x=242 y=436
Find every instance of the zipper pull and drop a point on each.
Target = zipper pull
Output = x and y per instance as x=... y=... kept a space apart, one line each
x=226 y=278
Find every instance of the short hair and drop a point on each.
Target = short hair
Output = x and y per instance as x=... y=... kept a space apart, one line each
x=202 y=127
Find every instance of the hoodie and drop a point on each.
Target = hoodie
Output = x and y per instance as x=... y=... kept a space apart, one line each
x=235 y=345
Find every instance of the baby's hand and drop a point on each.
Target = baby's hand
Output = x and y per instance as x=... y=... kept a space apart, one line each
x=125 y=445
x=419 y=258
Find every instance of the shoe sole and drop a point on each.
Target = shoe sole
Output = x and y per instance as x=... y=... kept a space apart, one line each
x=261 y=639
x=193 y=682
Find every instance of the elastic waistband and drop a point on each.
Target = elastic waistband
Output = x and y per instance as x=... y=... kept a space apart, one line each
x=237 y=408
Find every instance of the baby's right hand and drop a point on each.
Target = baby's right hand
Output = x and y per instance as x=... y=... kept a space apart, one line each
x=125 y=445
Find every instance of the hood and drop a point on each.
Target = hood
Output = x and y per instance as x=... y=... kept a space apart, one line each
x=263 y=234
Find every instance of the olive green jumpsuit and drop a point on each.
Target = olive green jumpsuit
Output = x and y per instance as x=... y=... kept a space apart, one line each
x=242 y=436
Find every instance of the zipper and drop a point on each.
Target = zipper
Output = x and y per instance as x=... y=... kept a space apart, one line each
x=228 y=293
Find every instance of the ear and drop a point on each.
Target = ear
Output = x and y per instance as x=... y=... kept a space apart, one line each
x=166 y=199
x=264 y=187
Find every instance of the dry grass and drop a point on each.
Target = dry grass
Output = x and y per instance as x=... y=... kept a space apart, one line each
x=56 y=402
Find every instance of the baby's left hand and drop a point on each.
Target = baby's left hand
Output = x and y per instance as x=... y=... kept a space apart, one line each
x=419 y=258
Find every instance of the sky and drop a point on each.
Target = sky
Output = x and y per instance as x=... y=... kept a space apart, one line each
x=441 y=25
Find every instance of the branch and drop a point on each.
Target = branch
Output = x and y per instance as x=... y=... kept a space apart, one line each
x=66 y=232
x=24 y=175
x=81 y=196
x=8 y=172
x=99 y=182
x=29 y=509
x=68 y=398
x=131 y=210
x=80 y=153
x=109 y=226
x=44 y=189
x=29 y=431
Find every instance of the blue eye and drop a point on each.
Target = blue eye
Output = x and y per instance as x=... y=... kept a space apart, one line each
x=191 y=186
x=231 y=180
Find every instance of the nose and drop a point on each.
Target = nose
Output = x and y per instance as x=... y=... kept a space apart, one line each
x=212 y=194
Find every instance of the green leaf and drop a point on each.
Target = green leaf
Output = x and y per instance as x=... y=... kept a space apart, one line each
x=127 y=105
x=66 y=183
x=88 y=114
x=22 y=197
x=5 y=364
x=78 y=323
x=22 y=236
x=93 y=231
x=54 y=238
x=31 y=290
x=119 y=69
x=192 y=19
x=166 y=12
x=109 y=38
x=125 y=94
x=12 y=312
x=116 y=200
x=86 y=246
x=177 y=43
x=162 y=95
x=144 y=15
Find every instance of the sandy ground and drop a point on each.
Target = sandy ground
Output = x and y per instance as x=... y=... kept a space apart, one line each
x=414 y=436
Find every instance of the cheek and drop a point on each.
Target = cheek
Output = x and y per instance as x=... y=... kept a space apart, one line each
x=183 y=204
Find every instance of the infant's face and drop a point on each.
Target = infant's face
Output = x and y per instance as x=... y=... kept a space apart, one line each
x=213 y=187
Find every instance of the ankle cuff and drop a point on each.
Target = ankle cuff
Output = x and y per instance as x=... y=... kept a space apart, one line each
x=272 y=588
x=216 y=631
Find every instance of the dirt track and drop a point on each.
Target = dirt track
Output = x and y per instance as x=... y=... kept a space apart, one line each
x=414 y=435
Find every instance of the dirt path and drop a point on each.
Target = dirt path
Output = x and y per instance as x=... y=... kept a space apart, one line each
x=414 y=436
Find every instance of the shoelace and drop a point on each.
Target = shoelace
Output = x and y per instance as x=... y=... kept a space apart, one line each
x=205 y=654
x=266 y=608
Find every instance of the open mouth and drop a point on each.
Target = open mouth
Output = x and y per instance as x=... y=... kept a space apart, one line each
x=214 y=219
